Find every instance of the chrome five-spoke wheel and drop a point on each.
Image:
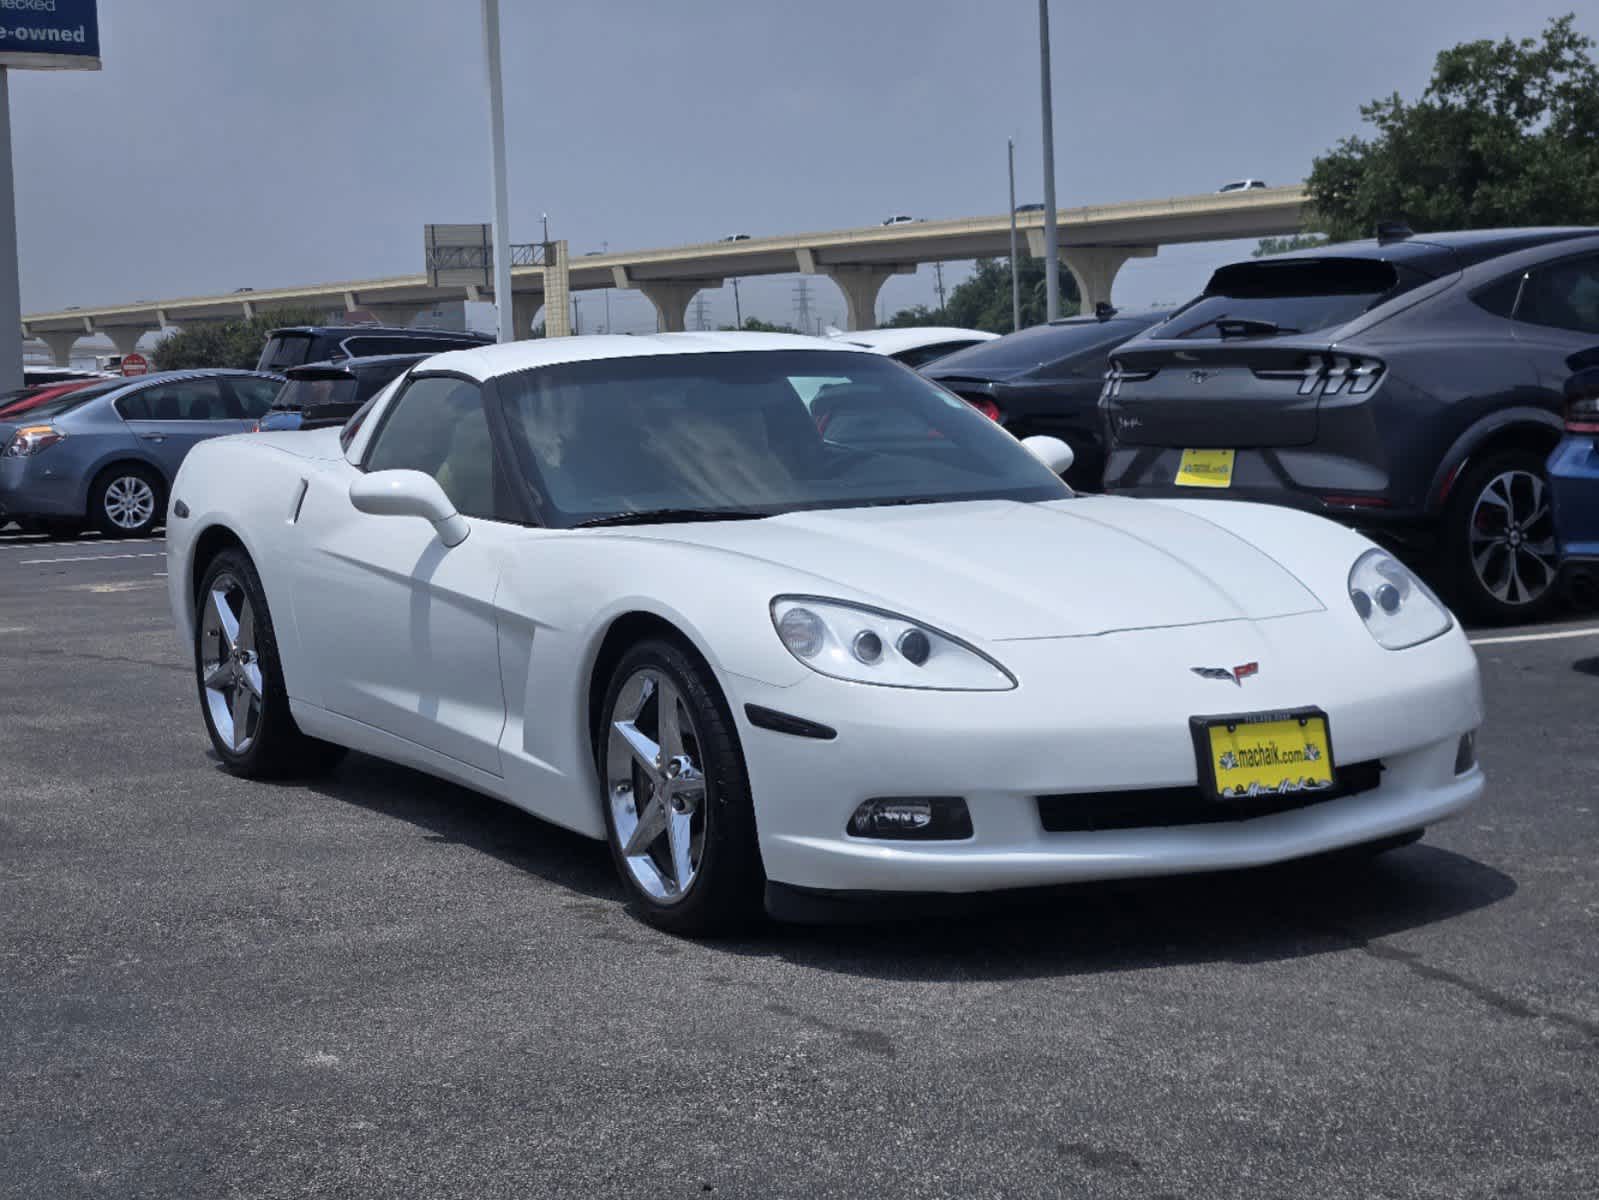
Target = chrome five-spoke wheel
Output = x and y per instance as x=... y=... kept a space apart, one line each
x=129 y=502
x=1512 y=538
x=655 y=785
x=230 y=664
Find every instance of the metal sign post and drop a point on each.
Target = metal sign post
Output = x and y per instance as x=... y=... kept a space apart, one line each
x=64 y=35
x=503 y=306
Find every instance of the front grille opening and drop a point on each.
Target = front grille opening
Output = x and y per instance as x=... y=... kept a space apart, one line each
x=1164 y=808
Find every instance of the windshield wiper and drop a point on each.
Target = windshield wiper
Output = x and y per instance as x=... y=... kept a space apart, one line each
x=1246 y=327
x=668 y=516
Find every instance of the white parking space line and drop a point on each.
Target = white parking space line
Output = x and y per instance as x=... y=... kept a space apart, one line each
x=30 y=562
x=1554 y=635
x=40 y=542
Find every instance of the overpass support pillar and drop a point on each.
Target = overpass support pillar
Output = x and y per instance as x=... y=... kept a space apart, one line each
x=124 y=337
x=860 y=286
x=671 y=299
x=524 y=310
x=60 y=342
x=1094 y=268
x=397 y=314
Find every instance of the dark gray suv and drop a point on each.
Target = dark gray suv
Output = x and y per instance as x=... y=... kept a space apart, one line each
x=105 y=455
x=1409 y=386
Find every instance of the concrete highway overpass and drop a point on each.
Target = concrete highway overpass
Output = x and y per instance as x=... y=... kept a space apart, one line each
x=1094 y=242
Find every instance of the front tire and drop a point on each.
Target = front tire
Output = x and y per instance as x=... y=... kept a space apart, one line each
x=678 y=814
x=240 y=678
x=127 y=501
x=1499 y=540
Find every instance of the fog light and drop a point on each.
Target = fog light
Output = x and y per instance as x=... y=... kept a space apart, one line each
x=912 y=818
x=1466 y=753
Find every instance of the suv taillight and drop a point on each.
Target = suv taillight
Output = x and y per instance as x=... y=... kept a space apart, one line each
x=1118 y=375
x=1582 y=402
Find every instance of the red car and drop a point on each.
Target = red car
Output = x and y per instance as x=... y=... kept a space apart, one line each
x=17 y=404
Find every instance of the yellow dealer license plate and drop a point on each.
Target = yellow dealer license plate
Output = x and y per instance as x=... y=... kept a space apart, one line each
x=1206 y=468
x=1264 y=754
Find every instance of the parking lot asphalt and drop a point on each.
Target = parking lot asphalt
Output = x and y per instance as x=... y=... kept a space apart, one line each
x=379 y=984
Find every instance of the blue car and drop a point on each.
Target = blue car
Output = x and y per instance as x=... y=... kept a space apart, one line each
x=105 y=455
x=1574 y=485
x=317 y=395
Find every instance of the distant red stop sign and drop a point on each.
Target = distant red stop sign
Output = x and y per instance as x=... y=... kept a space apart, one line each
x=135 y=364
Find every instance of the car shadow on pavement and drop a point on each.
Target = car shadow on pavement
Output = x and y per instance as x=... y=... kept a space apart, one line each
x=452 y=815
x=1291 y=910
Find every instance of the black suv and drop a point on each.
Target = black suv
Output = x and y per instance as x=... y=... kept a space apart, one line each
x=296 y=344
x=317 y=395
x=1409 y=386
x=1045 y=379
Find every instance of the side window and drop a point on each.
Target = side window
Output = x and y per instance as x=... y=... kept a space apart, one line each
x=438 y=426
x=1500 y=298
x=185 y=400
x=1564 y=295
x=255 y=396
x=926 y=354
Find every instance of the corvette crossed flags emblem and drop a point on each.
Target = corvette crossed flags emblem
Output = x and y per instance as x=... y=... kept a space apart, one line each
x=1237 y=675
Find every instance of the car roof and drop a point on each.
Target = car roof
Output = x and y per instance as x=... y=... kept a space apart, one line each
x=1454 y=248
x=894 y=341
x=489 y=362
x=351 y=366
x=1148 y=316
x=398 y=330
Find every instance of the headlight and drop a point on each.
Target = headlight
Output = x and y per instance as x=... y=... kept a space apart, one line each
x=867 y=645
x=1397 y=607
x=31 y=439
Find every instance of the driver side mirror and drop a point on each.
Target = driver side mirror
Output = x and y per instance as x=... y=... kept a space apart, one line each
x=1051 y=451
x=410 y=494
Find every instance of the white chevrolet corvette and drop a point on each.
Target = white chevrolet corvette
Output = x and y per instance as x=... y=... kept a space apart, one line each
x=782 y=620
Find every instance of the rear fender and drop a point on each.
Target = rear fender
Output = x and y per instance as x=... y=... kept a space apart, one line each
x=1535 y=429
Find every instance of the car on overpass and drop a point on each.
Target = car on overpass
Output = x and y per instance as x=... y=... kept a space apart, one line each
x=1410 y=386
x=1046 y=379
x=105 y=455
x=630 y=585
x=919 y=345
x=297 y=344
x=1241 y=185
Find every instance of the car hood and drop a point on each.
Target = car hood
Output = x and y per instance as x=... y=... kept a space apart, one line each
x=1002 y=570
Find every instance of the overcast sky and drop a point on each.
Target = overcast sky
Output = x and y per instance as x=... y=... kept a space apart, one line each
x=230 y=143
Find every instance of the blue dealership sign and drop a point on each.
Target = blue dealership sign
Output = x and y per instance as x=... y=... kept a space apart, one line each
x=61 y=34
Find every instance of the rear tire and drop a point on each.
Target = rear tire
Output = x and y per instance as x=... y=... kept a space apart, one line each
x=127 y=501
x=243 y=700
x=1499 y=540
x=678 y=815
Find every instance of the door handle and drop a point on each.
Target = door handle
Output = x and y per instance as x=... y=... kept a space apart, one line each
x=154 y=437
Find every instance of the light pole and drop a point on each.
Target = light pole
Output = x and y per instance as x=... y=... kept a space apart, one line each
x=545 y=217
x=503 y=305
x=738 y=313
x=1015 y=283
x=1051 y=248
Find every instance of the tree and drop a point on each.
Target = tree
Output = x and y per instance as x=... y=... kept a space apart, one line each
x=756 y=325
x=982 y=301
x=232 y=343
x=1507 y=133
x=1282 y=245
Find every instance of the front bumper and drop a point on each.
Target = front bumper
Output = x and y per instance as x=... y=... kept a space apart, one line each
x=1103 y=714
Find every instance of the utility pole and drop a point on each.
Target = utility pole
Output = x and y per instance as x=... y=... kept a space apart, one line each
x=1051 y=244
x=738 y=313
x=577 y=317
x=605 y=248
x=699 y=313
x=503 y=305
x=938 y=273
x=1015 y=282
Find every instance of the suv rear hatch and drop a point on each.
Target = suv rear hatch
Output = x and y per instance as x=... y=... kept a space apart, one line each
x=1244 y=365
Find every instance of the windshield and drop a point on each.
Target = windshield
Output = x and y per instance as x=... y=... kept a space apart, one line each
x=1036 y=347
x=1297 y=295
x=298 y=394
x=66 y=403
x=762 y=432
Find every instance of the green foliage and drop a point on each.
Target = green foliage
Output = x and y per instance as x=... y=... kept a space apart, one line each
x=1282 y=245
x=1507 y=133
x=982 y=301
x=233 y=343
x=756 y=325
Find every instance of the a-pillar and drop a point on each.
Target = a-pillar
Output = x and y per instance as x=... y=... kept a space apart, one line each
x=671 y=299
x=60 y=342
x=124 y=337
x=860 y=286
